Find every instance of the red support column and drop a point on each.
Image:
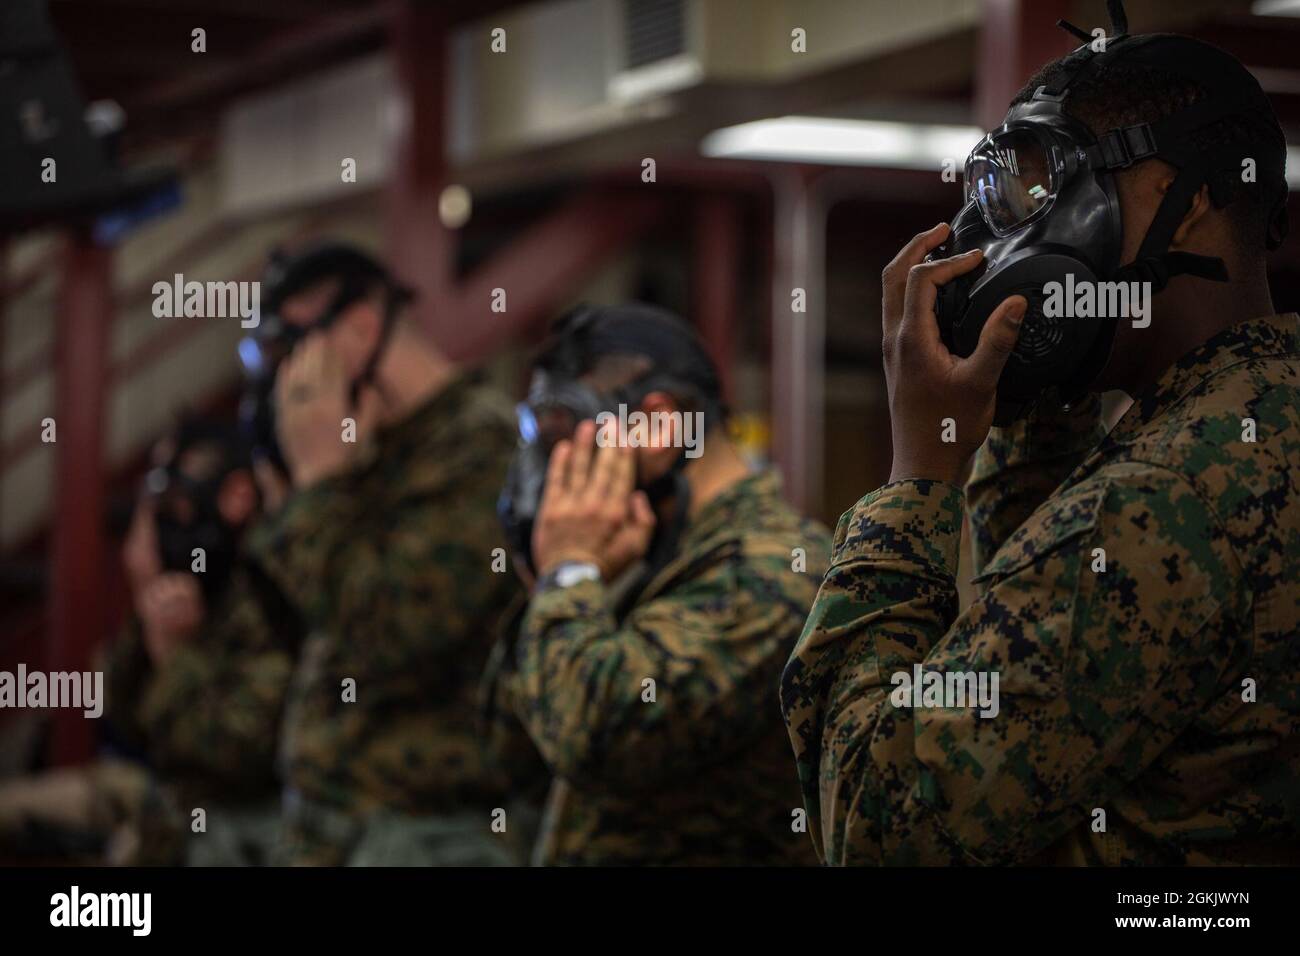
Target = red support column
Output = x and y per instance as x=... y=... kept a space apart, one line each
x=420 y=248
x=715 y=280
x=5 y=294
x=77 y=591
x=1016 y=38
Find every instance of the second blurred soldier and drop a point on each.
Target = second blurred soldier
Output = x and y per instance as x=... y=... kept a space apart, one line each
x=385 y=542
x=671 y=584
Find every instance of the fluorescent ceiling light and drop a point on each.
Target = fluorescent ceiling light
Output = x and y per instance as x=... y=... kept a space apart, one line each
x=1276 y=8
x=842 y=142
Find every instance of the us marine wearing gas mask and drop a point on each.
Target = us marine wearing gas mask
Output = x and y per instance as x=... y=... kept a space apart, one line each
x=1138 y=589
x=668 y=586
x=385 y=543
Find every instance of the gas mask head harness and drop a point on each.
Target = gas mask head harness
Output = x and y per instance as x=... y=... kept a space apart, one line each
x=1042 y=205
x=357 y=275
x=560 y=396
x=184 y=490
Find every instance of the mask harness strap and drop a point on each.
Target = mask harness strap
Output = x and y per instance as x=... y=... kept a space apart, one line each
x=1167 y=139
x=394 y=298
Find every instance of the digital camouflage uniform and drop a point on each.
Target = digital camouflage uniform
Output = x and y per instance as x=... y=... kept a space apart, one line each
x=700 y=775
x=391 y=565
x=1120 y=690
x=206 y=722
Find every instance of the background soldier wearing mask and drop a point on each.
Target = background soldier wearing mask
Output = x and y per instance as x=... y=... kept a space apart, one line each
x=666 y=600
x=196 y=686
x=385 y=544
x=1139 y=599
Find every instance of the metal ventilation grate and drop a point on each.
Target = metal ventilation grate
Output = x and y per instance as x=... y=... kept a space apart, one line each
x=655 y=30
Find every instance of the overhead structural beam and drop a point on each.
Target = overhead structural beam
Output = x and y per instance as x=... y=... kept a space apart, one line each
x=294 y=50
x=77 y=596
x=338 y=32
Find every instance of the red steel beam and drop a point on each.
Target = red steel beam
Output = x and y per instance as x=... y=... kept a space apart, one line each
x=4 y=328
x=78 y=598
x=296 y=50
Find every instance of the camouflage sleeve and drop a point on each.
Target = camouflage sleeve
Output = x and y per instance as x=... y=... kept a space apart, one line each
x=713 y=648
x=506 y=742
x=127 y=670
x=1096 y=671
x=214 y=707
x=298 y=544
x=1021 y=464
x=215 y=711
x=402 y=591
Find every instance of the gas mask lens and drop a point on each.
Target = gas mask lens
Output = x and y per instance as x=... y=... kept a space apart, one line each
x=527 y=423
x=261 y=355
x=545 y=423
x=1012 y=177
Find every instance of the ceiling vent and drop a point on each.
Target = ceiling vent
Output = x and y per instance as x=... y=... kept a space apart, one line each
x=655 y=46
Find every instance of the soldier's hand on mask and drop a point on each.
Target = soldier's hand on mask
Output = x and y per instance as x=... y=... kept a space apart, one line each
x=590 y=510
x=928 y=384
x=140 y=549
x=271 y=485
x=311 y=401
x=171 y=611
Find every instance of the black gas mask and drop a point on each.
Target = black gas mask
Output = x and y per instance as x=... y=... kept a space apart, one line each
x=552 y=412
x=558 y=401
x=186 y=511
x=274 y=339
x=1042 y=206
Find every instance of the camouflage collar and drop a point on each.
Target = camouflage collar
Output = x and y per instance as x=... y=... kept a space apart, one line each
x=438 y=408
x=1272 y=335
x=732 y=509
x=737 y=509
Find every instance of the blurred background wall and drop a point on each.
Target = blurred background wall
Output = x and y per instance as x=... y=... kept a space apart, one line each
x=796 y=144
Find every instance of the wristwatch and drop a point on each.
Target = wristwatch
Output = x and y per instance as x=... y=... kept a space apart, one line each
x=568 y=573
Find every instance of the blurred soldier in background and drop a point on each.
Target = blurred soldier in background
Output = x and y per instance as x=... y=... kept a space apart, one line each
x=195 y=688
x=385 y=542
x=670 y=586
